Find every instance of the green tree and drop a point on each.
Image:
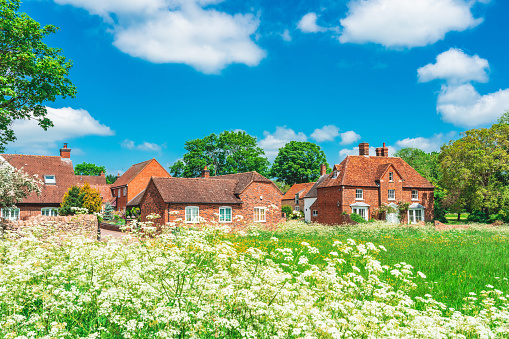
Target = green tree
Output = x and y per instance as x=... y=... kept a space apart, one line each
x=31 y=73
x=473 y=169
x=108 y=211
x=72 y=198
x=92 y=199
x=504 y=118
x=298 y=162
x=226 y=153
x=110 y=179
x=88 y=169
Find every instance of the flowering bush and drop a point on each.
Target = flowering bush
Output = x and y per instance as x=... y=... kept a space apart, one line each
x=16 y=184
x=196 y=284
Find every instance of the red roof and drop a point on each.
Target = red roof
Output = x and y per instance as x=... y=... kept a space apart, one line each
x=302 y=189
x=359 y=170
x=131 y=173
x=244 y=179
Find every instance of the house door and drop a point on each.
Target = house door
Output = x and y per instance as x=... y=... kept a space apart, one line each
x=362 y=211
x=392 y=218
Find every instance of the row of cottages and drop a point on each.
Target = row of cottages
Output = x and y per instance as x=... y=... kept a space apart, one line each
x=362 y=183
x=241 y=198
x=57 y=175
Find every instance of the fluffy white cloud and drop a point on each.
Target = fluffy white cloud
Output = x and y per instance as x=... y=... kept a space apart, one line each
x=427 y=144
x=286 y=35
x=308 y=24
x=272 y=142
x=403 y=23
x=145 y=146
x=179 y=31
x=464 y=106
x=326 y=133
x=349 y=137
x=455 y=66
x=68 y=124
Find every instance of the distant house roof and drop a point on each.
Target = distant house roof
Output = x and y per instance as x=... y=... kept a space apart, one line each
x=197 y=190
x=366 y=171
x=244 y=179
x=313 y=192
x=302 y=189
x=131 y=173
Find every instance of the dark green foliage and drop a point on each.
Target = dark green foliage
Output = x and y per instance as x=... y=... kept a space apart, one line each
x=31 y=73
x=72 y=198
x=89 y=169
x=108 y=211
x=357 y=218
x=282 y=186
x=226 y=153
x=298 y=162
x=110 y=179
x=426 y=164
x=440 y=210
x=478 y=216
x=287 y=209
x=133 y=212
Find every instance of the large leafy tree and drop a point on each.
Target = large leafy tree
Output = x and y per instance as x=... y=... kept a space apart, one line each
x=88 y=169
x=298 y=162
x=226 y=153
x=31 y=73
x=474 y=169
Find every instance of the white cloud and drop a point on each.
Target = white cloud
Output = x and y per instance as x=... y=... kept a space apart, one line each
x=286 y=35
x=179 y=31
x=145 y=146
x=308 y=24
x=464 y=106
x=403 y=23
x=68 y=124
x=455 y=66
x=272 y=142
x=428 y=145
x=349 y=137
x=326 y=133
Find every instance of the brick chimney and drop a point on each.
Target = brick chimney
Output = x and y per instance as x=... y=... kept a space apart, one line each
x=102 y=174
x=363 y=148
x=323 y=169
x=65 y=152
x=205 y=173
x=382 y=151
x=118 y=176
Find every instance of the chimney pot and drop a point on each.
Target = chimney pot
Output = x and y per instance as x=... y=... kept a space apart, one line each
x=323 y=169
x=364 y=148
x=65 y=152
x=205 y=173
x=384 y=151
x=102 y=174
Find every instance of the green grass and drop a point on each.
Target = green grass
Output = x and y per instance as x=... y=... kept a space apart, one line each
x=455 y=262
x=452 y=218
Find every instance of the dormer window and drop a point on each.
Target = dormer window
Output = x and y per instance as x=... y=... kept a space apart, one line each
x=50 y=180
x=391 y=176
x=334 y=174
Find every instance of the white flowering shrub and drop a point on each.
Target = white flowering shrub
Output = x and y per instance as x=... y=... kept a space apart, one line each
x=196 y=284
x=16 y=184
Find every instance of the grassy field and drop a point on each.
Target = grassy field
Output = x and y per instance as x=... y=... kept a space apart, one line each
x=452 y=218
x=455 y=262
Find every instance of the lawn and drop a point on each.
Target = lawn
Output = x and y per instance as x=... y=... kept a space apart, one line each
x=452 y=218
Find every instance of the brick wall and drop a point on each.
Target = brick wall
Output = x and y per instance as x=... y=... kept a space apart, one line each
x=262 y=194
x=138 y=184
x=32 y=210
x=152 y=202
x=327 y=206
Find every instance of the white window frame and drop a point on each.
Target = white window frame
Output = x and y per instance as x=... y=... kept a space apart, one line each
x=225 y=208
x=118 y=192
x=260 y=214
x=391 y=176
x=393 y=197
x=11 y=214
x=297 y=208
x=361 y=210
x=190 y=216
x=315 y=213
x=359 y=194
x=48 y=181
x=412 y=215
x=416 y=195
x=125 y=191
x=297 y=199
x=51 y=211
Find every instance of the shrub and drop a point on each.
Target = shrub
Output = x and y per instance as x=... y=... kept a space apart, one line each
x=108 y=211
x=357 y=218
x=478 y=217
x=287 y=210
x=72 y=198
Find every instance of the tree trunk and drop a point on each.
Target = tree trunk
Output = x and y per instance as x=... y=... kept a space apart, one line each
x=459 y=216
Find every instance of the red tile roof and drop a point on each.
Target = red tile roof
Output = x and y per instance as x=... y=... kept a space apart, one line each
x=364 y=171
x=136 y=200
x=302 y=189
x=197 y=190
x=244 y=179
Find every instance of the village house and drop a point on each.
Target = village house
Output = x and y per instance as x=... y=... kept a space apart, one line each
x=294 y=196
x=242 y=198
x=312 y=194
x=361 y=184
x=57 y=175
x=133 y=181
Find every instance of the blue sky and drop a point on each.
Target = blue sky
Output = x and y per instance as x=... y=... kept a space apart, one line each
x=152 y=74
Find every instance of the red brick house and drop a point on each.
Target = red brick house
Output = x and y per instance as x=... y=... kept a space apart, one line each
x=134 y=180
x=361 y=184
x=241 y=198
x=295 y=196
x=57 y=175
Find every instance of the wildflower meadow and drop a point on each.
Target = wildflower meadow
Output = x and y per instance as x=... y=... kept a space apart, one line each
x=300 y=281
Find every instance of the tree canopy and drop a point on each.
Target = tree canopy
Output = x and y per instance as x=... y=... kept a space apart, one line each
x=426 y=164
x=475 y=167
x=31 y=73
x=298 y=162
x=89 y=169
x=226 y=153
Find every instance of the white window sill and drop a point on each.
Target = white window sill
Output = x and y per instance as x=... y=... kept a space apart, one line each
x=392 y=199
x=225 y=222
x=415 y=199
x=260 y=221
x=359 y=199
x=192 y=222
